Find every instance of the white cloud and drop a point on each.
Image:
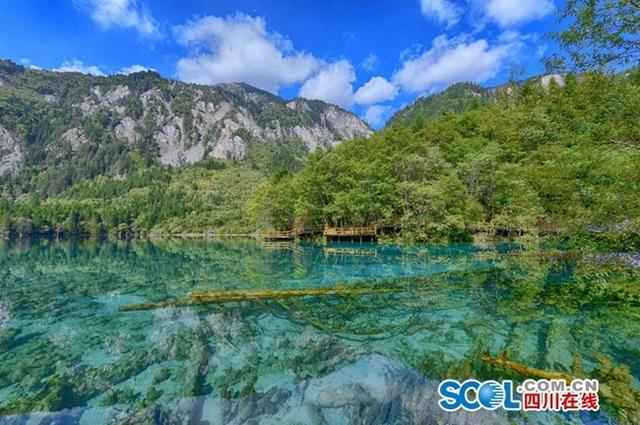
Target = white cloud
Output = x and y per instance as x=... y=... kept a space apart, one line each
x=443 y=11
x=240 y=49
x=453 y=60
x=510 y=12
x=27 y=62
x=509 y=36
x=376 y=115
x=376 y=90
x=333 y=84
x=133 y=69
x=76 y=65
x=122 y=13
x=370 y=63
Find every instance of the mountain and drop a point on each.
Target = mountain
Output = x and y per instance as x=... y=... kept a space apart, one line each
x=461 y=97
x=455 y=99
x=91 y=125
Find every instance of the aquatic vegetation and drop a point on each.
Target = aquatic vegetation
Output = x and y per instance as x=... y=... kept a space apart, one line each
x=619 y=390
x=297 y=317
x=616 y=383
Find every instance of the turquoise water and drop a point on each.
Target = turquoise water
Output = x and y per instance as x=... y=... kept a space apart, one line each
x=68 y=355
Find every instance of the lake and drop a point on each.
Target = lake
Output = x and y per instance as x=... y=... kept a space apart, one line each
x=70 y=355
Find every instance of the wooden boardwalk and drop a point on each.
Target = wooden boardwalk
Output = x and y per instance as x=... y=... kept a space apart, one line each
x=362 y=233
x=289 y=235
x=351 y=231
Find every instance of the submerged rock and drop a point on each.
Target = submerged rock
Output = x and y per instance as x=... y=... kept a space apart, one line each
x=560 y=346
x=372 y=390
x=376 y=390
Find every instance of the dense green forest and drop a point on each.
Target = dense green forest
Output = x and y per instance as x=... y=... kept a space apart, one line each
x=208 y=196
x=458 y=98
x=564 y=158
x=558 y=158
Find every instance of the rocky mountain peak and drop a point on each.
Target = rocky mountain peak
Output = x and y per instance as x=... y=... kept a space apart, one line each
x=172 y=122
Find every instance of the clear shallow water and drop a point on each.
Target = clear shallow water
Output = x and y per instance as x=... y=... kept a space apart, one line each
x=68 y=355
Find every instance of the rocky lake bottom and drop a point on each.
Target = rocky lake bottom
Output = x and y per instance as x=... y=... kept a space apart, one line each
x=69 y=354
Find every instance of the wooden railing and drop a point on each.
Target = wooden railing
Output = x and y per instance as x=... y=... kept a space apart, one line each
x=350 y=231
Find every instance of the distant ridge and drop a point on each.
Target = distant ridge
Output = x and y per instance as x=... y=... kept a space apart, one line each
x=58 y=119
x=458 y=98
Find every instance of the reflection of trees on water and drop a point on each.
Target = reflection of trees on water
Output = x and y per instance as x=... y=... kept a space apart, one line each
x=535 y=309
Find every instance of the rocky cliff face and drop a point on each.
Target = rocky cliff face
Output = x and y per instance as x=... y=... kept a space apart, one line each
x=10 y=153
x=176 y=123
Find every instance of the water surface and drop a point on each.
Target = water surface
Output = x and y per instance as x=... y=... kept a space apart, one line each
x=68 y=355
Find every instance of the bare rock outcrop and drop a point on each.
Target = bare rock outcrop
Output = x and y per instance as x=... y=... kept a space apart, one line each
x=11 y=155
x=174 y=122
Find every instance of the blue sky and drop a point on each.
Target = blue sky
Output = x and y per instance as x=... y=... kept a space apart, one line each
x=371 y=57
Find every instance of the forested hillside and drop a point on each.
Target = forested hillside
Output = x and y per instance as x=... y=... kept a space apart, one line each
x=458 y=98
x=545 y=159
x=462 y=97
x=560 y=159
x=556 y=156
x=57 y=129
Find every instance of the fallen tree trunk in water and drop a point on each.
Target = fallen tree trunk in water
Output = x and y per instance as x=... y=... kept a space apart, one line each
x=616 y=389
x=527 y=371
x=219 y=297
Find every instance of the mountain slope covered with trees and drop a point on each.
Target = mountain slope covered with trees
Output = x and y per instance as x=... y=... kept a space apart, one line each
x=547 y=159
x=565 y=159
x=556 y=156
x=456 y=99
x=61 y=128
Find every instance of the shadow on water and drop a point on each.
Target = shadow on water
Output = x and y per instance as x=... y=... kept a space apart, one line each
x=66 y=348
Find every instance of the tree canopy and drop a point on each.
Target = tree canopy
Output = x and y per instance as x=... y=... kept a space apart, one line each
x=601 y=33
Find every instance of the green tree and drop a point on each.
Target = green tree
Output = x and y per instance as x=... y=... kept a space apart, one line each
x=273 y=206
x=601 y=33
x=95 y=227
x=72 y=223
x=517 y=205
x=438 y=211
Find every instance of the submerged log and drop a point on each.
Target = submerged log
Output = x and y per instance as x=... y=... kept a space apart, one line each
x=220 y=297
x=527 y=371
x=616 y=384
